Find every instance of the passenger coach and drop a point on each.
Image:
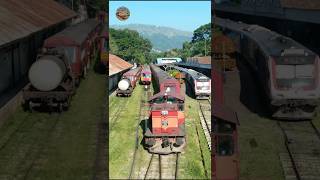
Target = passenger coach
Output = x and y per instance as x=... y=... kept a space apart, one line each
x=287 y=71
x=200 y=84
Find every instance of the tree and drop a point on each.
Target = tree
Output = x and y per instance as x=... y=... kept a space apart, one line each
x=202 y=33
x=129 y=45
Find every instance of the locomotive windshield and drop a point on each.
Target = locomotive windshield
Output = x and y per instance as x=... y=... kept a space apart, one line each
x=146 y=75
x=204 y=85
x=293 y=72
x=225 y=145
x=225 y=141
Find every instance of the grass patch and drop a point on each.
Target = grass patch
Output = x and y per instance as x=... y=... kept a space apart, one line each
x=261 y=141
x=122 y=135
x=191 y=160
x=44 y=146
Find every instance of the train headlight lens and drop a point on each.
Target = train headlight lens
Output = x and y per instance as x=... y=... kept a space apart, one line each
x=164 y=123
x=164 y=113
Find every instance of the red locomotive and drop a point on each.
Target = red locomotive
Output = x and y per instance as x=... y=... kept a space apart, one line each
x=64 y=59
x=145 y=78
x=165 y=129
x=128 y=82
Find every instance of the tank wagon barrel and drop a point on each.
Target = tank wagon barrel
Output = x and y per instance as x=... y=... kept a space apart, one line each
x=47 y=73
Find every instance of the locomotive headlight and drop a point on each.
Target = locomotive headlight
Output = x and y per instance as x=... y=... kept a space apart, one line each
x=164 y=113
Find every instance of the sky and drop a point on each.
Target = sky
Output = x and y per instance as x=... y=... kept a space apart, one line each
x=182 y=15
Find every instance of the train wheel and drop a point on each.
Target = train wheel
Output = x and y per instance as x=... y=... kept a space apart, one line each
x=84 y=73
x=25 y=106
x=60 y=108
x=88 y=65
x=30 y=107
x=77 y=82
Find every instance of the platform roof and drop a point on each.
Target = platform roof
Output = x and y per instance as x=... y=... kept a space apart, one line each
x=200 y=60
x=21 y=18
x=116 y=64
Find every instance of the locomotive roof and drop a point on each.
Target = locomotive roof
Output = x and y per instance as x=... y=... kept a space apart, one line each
x=162 y=75
x=194 y=74
x=75 y=34
x=146 y=68
x=270 y=42
x=169 y=94
x=133 y=71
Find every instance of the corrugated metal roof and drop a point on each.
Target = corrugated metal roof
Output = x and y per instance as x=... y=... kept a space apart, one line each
x=116 y=64
x=301 y=4
x=20 y=18
x=200 y=60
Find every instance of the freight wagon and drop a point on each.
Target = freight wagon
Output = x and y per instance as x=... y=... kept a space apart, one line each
x=64 y=59
x=128 y=82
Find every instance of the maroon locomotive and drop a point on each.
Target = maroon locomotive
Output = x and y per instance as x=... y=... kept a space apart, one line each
x=165 y=128
x=65 y=58
x=128 y=82
x=145 y=75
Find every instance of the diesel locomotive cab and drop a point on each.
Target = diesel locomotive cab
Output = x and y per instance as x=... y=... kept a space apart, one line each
x=295 y=84
x=165 y=130
x=145 y=78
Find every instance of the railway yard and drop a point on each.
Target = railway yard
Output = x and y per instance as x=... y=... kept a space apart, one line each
x=129 y=159
x=56 y=146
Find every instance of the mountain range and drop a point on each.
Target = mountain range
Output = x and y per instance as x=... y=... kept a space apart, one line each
x=162 y=38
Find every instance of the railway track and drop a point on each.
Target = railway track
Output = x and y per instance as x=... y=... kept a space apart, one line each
x=119 y=109
x=158 y=166
x=31 y=146
x=205 y=119
x=302 y=160
x=143 y=115
x=100 y=172
x=163 y=166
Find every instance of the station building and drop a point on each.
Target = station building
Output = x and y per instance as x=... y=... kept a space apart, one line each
x=117 y=67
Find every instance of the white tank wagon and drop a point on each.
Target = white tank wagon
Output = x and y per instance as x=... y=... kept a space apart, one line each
x=128 y=82
x=51 y=83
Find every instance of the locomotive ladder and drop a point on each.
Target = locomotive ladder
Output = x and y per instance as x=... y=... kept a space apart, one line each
x=303 y=145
